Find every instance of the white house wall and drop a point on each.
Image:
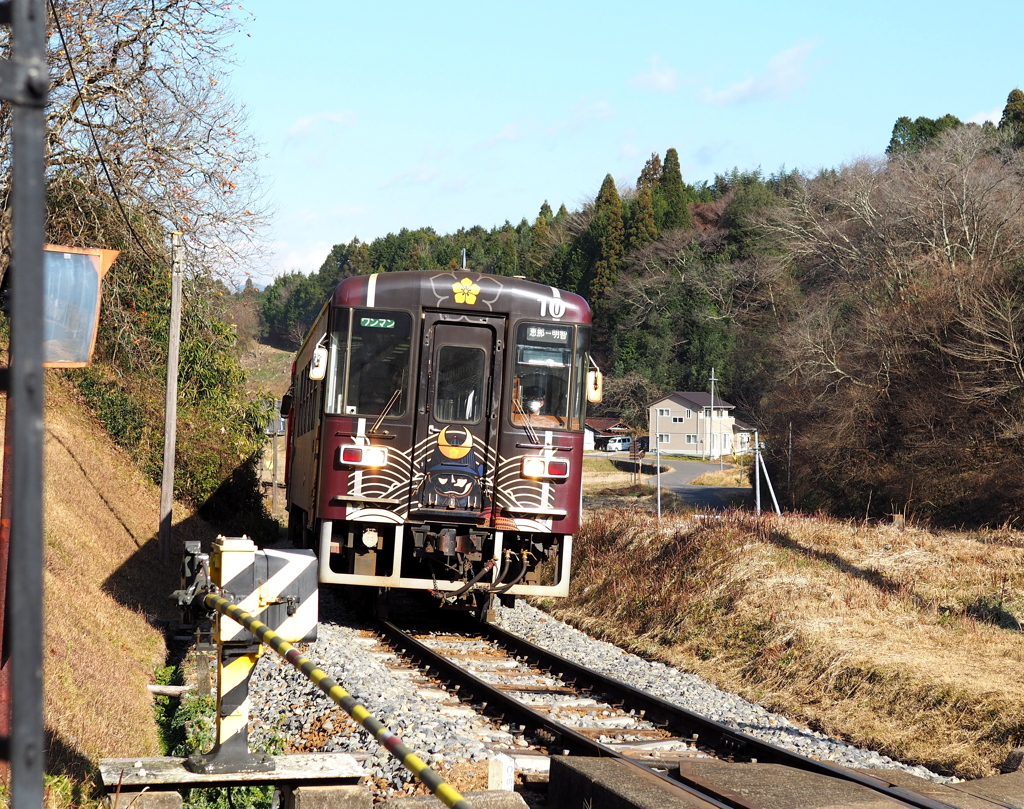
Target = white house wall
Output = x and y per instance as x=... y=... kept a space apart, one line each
x=678 y=422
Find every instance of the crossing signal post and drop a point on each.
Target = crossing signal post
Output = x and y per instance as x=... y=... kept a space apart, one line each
x=277 y=587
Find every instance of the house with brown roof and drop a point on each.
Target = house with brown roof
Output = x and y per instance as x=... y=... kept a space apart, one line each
x=597 y=431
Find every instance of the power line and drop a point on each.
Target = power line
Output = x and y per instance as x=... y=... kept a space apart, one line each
x=92 y=133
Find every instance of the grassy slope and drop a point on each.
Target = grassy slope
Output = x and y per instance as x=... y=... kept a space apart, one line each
x=905 y=641
x=103 y=575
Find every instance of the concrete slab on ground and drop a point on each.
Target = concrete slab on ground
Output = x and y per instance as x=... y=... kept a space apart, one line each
x=773 y=786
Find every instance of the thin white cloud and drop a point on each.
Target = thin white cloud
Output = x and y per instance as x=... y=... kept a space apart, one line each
x=785 y=73
x=310 y=123
x=510 y=133
x=659 y=77
x=412 y=177
x=708 y=154
x=995 y=116
x=583 y=114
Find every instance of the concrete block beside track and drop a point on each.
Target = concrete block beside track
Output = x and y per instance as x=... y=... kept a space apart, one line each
x=150 y=799
x=774 y=786
x=327 y=797
x=578 y=782
x=490 y=799
x=996 y=792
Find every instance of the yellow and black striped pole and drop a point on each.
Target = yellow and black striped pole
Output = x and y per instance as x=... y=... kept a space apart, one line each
x=394 y=745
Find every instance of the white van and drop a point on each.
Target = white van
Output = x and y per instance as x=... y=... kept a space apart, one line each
x=619 y=443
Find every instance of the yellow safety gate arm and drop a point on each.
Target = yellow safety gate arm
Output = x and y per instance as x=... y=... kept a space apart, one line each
x=392 y=743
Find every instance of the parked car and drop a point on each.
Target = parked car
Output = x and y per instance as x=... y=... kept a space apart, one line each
x=618 y=443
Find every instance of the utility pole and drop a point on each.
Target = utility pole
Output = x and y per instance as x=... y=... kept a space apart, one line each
x=711 y=428
x=657 y=441
x=757 y=473
x=171 y=401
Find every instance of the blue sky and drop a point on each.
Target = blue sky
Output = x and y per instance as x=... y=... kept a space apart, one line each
x=379 y=116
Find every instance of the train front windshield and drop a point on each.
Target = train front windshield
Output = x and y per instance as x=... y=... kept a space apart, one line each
x=369 y=363
x=550 y=366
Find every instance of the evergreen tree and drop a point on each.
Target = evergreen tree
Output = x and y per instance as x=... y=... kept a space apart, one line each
x=1013 y=115
x=507 y=260
x=605 y=237
x=651 y=173
x=642 y=228
x=670 y=188
x=542 y=226
x=608 y=236
x=913 y=136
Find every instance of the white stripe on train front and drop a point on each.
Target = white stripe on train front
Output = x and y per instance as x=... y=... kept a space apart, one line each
x=371 y=290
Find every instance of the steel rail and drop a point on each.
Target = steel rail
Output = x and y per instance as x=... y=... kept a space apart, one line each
x=394 y=745
x=684 y=722
x=560 y=736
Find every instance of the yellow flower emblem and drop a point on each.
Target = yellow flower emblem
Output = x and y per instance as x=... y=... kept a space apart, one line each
x=465 y=291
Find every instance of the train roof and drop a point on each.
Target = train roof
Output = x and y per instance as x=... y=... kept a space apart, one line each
x=462 y=290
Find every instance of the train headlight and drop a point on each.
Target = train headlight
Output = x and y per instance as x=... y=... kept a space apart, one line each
x=545 y=468
x=362 y=455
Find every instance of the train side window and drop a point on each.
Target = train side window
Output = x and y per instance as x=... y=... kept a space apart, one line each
x=378 y=364
x=543 y=365
x=461 y=375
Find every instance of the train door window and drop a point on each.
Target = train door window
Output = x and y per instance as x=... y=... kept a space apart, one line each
x=379 y=347
x=542 y=374
x=581 y=364
x=460 y=388
x=337 y=366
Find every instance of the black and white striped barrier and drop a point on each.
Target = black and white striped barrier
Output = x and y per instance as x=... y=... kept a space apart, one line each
x=280 y=588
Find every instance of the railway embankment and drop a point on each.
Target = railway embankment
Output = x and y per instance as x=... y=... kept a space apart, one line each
x=906 y=641
x=106 y=592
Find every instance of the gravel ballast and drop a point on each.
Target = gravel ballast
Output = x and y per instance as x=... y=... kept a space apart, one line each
x=286 y=706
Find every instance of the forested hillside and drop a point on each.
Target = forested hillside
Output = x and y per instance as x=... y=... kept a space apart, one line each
x=865 y=318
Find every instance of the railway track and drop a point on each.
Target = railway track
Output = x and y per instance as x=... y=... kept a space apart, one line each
x=568 y=710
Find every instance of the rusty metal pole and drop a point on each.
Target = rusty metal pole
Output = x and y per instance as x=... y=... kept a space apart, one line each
x=171 y=401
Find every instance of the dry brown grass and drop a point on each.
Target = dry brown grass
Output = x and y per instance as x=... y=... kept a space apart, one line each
x=730 y=476
x=905 y=641
x=103 y=576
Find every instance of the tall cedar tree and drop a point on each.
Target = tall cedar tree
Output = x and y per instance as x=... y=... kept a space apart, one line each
x=1013 y=116
x=607 y=238
x=651 y=173
x=542 y=226
x=642 y=227
x=676 y=211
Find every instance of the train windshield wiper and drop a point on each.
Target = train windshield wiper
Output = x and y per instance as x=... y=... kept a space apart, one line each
x=528 y=424
x=386 y=410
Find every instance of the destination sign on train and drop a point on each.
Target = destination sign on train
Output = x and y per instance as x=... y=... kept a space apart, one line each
x=548 y=334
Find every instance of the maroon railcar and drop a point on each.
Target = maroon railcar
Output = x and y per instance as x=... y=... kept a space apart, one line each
x=436 y=435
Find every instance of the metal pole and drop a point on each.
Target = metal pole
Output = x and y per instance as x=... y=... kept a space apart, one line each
x=757 y=473
x=171 y=401
x=657 y=440
x=24 y=613
x=273 y=471
x=771 y=489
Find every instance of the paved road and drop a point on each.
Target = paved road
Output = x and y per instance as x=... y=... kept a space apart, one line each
x=712 y=498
